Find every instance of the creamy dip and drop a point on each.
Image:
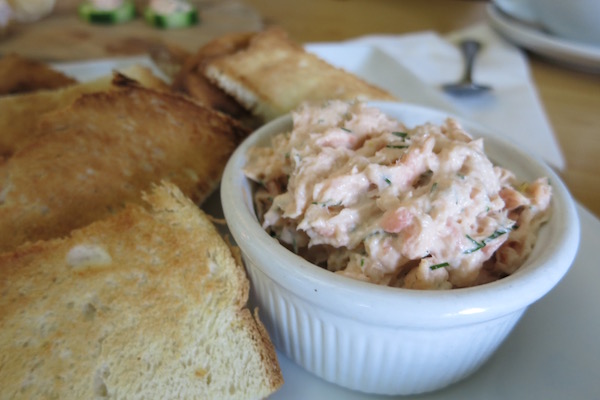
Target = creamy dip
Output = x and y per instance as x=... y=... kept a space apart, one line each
x=166 y=7
x=107 y=5
x=360 y=194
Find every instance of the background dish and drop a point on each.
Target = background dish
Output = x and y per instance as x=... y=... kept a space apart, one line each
x=535 y=361
x=580 y=56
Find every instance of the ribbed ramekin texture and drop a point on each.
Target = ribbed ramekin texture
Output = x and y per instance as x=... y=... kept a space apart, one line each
x=375 y=359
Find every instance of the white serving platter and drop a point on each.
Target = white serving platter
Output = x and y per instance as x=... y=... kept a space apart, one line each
x=553 y=353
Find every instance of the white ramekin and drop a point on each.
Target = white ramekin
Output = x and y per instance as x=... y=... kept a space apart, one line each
x=385 y=340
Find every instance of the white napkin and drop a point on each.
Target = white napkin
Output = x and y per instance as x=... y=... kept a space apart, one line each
x=414 y=66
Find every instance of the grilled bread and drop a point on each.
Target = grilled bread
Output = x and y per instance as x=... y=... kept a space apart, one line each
x=191 y=79
x=146 y=304
x=21 y=75
x=169 y=58
x=273 y=75
x=102 y=151
x=20 y=114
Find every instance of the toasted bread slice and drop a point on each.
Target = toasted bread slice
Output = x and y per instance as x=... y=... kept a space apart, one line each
x=169 y=58
x=102 y=151
x=19 y=114
x=148 y=303
x=21 y=75
x=273 y=75
x=191 y=79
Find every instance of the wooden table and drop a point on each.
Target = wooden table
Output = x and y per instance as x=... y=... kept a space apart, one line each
x=571 y=98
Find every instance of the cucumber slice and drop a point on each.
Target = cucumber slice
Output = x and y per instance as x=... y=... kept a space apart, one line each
x=124 y=13
x=170 y=21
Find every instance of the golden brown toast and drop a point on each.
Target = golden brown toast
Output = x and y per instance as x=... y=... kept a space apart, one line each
x=273 y=75
x=148 y=303
x=21 y=75
x=169 y=58
x=102 y=151
x=20 y=114
x=191 y=79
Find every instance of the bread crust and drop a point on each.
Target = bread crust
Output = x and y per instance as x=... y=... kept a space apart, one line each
x=20 y=114
x=22 y=75
x=191 y=79
x=102 y=152
x=147 y=303
x=273 y=75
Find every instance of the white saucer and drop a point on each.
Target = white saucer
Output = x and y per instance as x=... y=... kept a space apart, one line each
x=580 y=56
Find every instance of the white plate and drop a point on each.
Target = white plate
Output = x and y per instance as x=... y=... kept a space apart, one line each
x=553 y=353
x=580 y=56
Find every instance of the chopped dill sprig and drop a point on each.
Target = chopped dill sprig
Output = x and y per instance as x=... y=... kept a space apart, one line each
x=376 y=232
x=441 y=265
x=479 y=245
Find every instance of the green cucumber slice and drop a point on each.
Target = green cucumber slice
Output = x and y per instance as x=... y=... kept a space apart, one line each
x=124 y=13
x=175 y=20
